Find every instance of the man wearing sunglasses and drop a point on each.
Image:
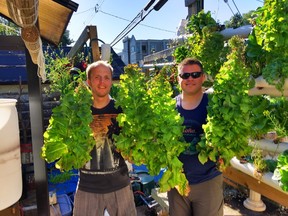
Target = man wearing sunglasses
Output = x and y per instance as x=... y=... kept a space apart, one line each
x=206 y=182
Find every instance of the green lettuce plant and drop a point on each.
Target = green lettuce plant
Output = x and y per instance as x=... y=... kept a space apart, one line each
x=151 y=127
x=68 y=138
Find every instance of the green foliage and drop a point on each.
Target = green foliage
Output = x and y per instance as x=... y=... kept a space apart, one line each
x=281 y=171
x=180 y=53
x=228 y=126
x=256 y=56
x=276 y=71
x=233 y=116
x=65 y=40
x=260 y=123
x=60 y=178
x=277 y=114
x=151 y=127
x=259 y=163
x=199 y=21
x=271 y=25
x=205 y=43
x=271 y=165
x=235 y=21
x=8 y=28
x=114 y=90
x=271 y=34
x=68 y=138
x=58 y=72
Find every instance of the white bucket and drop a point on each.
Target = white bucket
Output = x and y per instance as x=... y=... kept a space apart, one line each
x=10 y=158
x=105 y=52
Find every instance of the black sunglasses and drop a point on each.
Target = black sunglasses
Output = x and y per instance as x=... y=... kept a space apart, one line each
x=194 y=75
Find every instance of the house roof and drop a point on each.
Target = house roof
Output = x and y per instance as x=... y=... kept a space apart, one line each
x=13 y=65
x=53 y=17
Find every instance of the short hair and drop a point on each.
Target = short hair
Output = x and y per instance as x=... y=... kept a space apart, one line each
x=189 y=61
x=96 y=64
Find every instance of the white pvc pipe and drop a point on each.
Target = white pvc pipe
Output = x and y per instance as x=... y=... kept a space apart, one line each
x=248 y=168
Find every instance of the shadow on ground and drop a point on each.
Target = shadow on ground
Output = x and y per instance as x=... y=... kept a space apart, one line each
x=234 y=199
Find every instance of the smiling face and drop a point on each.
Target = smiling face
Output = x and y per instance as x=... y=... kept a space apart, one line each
x=100 y=81
x=191 y=86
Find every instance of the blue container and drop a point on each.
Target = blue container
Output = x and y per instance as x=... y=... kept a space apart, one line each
x=67 y=187
x=65 y=205
x=143 y=168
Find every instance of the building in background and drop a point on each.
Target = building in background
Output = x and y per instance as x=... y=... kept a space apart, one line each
x=134 y=50
x=158 y=51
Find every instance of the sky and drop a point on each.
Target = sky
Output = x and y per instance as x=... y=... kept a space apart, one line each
x=111 y=17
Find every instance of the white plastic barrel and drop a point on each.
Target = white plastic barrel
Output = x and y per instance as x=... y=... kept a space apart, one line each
x=10 y=158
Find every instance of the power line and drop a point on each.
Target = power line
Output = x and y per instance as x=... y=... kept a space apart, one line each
x=97 y=9
x=84 y=11
x=226 y=1
x=128 y=28
x=236 y=8
x=216 y=12
x=100 y=3
x=139 y=24
x=139 y=17
x=114 y=16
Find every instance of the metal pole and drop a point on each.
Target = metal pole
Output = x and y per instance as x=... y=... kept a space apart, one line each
x=36 y=119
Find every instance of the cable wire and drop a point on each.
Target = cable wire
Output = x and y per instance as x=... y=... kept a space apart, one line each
x=140 y=17
x=236 y=8
x=130 y=26
x=226 y=1
x=139 y=24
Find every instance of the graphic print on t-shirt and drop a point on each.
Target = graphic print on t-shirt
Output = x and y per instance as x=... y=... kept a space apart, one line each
x=103 y=158
x=191 y=135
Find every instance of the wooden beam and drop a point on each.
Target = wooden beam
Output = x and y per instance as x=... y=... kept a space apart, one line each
x=37 y=129
x=90 y=32
x=94 y=43
x=79 y=43
x=256 y=185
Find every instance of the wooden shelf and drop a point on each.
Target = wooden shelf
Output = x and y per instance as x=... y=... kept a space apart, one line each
x=243 y=175
x=264 y=88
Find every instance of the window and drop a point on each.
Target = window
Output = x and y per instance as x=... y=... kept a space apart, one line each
x=132 y=48
x=144 y=48
x=153 y=48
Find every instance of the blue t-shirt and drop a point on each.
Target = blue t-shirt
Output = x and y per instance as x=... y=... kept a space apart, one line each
x=195 y=171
